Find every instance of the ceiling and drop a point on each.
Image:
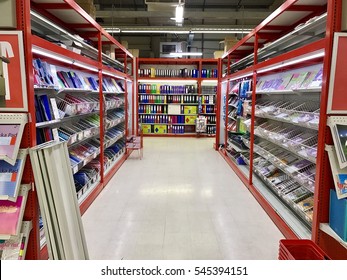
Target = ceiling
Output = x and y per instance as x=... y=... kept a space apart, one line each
x=151 y=18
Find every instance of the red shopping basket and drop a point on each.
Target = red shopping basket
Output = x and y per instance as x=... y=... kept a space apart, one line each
x=300 y=249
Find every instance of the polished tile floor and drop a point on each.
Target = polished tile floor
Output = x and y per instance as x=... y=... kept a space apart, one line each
x=180 y=202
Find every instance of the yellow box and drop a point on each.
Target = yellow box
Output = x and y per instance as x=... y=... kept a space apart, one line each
x=190 y=110
x=189 y=119
x=146 y=129
x=160 y=128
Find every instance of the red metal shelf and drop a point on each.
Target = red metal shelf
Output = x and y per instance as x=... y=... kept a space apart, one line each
x=69 y=16
x=278 y=24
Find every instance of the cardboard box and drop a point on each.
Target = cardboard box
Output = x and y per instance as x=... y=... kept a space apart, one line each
x=344 y=16
x=8 y=17
x=125 y=44
x=229 y=42
x=146 y=128
x=190 y=119
x=190 y=110
x=338 y=215
x=160 y=128
x=134 y=52
x=90 y=2
x=218 y=54
x=89 y=7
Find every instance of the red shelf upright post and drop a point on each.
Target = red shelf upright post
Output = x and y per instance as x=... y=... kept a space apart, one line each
x=218 y=100
x=102 y=109
x=29 y=134
x=324 y=181
x=254 y=82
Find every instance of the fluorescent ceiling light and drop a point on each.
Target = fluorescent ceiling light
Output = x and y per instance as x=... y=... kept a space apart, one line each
x=63 y=59
x=179 y=13
x=292 y=62
x=179 y=54
x=112 y=74
x=156 y=31
x=241 y=76
x=179 y=30
x=112 y=30
x=51 y=55
x=220 y=30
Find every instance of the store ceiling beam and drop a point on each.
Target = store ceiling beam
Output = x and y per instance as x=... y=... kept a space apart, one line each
x=54 y=6
x=307 y=8
x=192 y=6
x=187 y=14
x=184 y=28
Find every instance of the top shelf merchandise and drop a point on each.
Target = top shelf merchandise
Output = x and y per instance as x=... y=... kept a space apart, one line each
x=287 y=58
x=177 y=68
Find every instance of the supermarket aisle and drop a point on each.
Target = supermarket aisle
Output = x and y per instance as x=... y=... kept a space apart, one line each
x=181 y=201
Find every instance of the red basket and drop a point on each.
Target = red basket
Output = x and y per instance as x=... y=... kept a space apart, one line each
x=300 y=249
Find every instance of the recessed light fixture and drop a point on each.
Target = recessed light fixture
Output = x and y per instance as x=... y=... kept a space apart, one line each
x=179 y=13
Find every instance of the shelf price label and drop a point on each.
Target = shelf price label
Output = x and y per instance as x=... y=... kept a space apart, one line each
x=13 y=90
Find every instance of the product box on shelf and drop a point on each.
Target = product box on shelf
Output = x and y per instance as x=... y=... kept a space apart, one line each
x=160 y=128
x=146 y=129
x=88 y=6
x=189 y=110
x=338 y=215
x=174 y=109
x=190 y=119
x=229 y=42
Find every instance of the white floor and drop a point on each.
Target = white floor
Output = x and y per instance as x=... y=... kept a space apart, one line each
x=181 y=201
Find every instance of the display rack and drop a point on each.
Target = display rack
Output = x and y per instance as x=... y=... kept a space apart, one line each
x=86 y=114
x=287 y=58
x=172 y=93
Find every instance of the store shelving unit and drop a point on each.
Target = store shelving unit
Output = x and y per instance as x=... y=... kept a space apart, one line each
x=287 y=59
x=99 y=116
x=173 y=92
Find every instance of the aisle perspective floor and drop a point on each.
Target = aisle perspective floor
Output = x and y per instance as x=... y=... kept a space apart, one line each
x=181 y=201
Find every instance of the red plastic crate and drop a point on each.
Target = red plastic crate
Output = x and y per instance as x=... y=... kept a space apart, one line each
x=300 y=249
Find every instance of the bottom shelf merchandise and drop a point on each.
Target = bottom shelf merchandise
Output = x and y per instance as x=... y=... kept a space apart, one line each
x=113 y=152
x=292 y=194
x=15 y=247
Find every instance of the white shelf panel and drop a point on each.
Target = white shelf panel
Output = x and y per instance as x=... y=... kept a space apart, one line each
x=328 y=230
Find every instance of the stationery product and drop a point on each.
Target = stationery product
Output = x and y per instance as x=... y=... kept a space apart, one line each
x=11 y=213
x=296 y=80
x=11 y=176
x=317 y=80
x=305 y=204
